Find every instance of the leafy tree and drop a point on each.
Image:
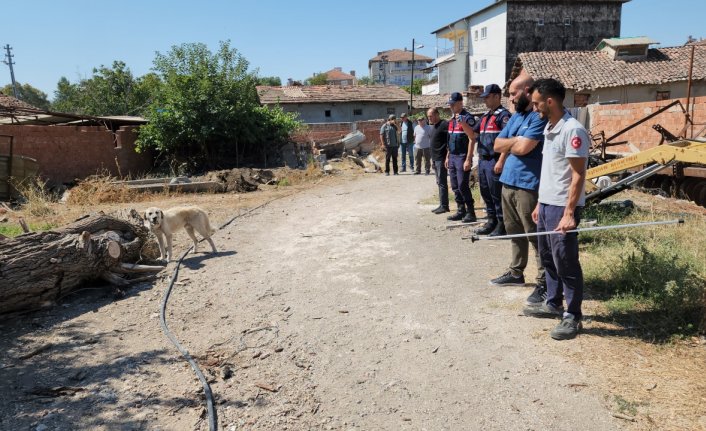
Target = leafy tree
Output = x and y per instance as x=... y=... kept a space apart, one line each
x=318 y=79
x=207 y=110
x=416 y=86
x=365 y=80
x=110 y=91
x=29 y=94
x=273 y=81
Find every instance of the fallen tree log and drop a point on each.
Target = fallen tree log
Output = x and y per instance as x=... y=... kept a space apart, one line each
x=39 y=268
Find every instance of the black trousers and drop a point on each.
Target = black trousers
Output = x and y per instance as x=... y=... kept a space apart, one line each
x=391 y=153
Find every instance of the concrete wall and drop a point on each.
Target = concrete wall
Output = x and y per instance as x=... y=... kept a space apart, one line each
x=491 y=49
x=639 y=93
x=65 y=153
x=343 y=111
x=613 y=118
x=590 y=22
x=330 y=132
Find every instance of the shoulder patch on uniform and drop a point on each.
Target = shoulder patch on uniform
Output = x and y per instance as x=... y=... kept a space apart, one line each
x=506 y=119
x=576 y=142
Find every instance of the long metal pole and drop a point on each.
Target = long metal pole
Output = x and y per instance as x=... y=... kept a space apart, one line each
x=688 y=93
x=475 y=238
x=411 y=81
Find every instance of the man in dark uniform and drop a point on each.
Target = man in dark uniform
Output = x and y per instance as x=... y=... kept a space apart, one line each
x=459 y=159
x=490 y=163
x=439 y=148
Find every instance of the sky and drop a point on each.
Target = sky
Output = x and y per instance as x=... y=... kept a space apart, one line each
x=292 y=39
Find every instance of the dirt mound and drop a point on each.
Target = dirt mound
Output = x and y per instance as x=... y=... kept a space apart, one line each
x=241 y=180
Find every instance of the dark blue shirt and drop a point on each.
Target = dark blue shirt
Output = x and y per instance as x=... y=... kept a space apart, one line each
x=524 y=171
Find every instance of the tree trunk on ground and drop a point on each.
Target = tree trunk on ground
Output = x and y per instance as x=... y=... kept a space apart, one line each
x=37 y=269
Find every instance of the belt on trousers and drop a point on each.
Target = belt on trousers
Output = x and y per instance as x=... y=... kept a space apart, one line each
x=493 y=157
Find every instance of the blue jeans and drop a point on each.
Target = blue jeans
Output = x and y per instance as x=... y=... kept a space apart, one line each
x=443 y=183
x=490 y=189
x=460 y=181
x=560 y=258
x=404 y=149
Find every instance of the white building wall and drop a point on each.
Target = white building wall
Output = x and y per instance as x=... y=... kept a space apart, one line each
x=491 y=49
x=453 y=75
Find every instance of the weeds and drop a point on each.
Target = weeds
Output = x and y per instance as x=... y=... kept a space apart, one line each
x=15 y=230
x=99 y=189
x=655 y=278
x=35 y=199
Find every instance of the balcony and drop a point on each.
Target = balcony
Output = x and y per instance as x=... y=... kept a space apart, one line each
x=445 y=51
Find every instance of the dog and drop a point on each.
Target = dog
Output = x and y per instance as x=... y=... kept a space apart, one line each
x=165 y=223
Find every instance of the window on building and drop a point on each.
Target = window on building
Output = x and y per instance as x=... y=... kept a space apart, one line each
x=391 y=111
x=581 y=99
x=484 y=32
x=398 y=64
x=475 y=35
x=540 y=22
x=664 y=95
x=475 y=66
x=357 y=112
x=483 y=65
x=567 y=21
x=327 y=113
x=461 y=43
x=344 y=82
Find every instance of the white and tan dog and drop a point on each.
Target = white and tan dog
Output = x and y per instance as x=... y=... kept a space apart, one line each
x=165 y=223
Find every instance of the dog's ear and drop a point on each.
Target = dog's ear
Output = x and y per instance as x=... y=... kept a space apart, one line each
x=161 y=214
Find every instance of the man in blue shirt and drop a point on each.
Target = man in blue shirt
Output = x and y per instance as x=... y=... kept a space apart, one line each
x=406 y=142
x=522 y=140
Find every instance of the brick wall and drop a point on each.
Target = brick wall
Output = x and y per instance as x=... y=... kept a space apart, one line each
x=613 y=118
x=65 y=153
x=330 y=132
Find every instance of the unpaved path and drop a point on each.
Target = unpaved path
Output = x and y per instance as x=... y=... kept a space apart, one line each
x=346 y=306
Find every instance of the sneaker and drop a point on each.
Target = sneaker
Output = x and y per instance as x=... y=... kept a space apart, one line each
x=470 y=217
x=427 y=173
x=404 y=169
x=567 y=329
x=487 y=227
x=456 y=217
x=499 y=230
x=508 y=279
x=538 y=296
x=543 y=310
x=387 y=173
x=396 y=173
x=416 y=173
x=440 y=210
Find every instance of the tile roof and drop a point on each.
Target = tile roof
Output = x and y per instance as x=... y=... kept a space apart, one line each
x=590 y=70
x=9 y=102
x=400 y=55
x=337 y=75
x=473 y=105
x=331 y=93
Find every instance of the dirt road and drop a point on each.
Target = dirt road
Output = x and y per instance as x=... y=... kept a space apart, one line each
x=346 y=306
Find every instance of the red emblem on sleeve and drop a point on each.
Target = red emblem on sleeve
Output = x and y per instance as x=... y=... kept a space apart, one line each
x=576 y=142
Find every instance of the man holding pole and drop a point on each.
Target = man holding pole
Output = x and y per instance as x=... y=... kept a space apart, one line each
x=560 y=201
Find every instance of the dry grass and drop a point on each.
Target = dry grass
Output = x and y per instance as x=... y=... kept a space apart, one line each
x=35 y=199
x=101 y=189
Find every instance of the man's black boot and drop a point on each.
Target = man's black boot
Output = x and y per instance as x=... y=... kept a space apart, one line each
x=470 y=216
x=499 y=230
x=460 y=213
x=440 y=209
x=487 y=227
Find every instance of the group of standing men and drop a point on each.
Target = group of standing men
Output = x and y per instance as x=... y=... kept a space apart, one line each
x=413 y=141
x=531 y=171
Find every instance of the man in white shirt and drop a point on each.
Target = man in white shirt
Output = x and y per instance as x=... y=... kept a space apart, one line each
x=560 y=202
x=422 y=146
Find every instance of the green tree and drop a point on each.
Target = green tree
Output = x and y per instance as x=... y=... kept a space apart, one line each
x=365 y=80
x=318 y=79
x=207 y=111
x=110 y=91
x=28 y=94
x=416 y=86
x=273 y=81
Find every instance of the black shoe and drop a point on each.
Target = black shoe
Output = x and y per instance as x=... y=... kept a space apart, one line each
x=387 y=173
x=508 y=279
x=416 y=173
x=538 y=296
x=427 y=173
x=567 y=329
x=456 y=217
x=544 y=310
x=397 y=173
x=487 y=227
x=440 y=210
x=470 y=217
x=499 y=230
x=404 y=169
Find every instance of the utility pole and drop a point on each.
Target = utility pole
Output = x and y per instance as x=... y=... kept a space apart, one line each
x=411 y=81
x=9 y=62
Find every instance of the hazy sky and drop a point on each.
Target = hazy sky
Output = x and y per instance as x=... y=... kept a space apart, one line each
x=52 y=38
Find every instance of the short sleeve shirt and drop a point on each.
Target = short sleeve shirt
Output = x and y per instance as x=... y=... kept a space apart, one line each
x=524 y=171
x=389 y=135
x=566 y=140
x=421 y=136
